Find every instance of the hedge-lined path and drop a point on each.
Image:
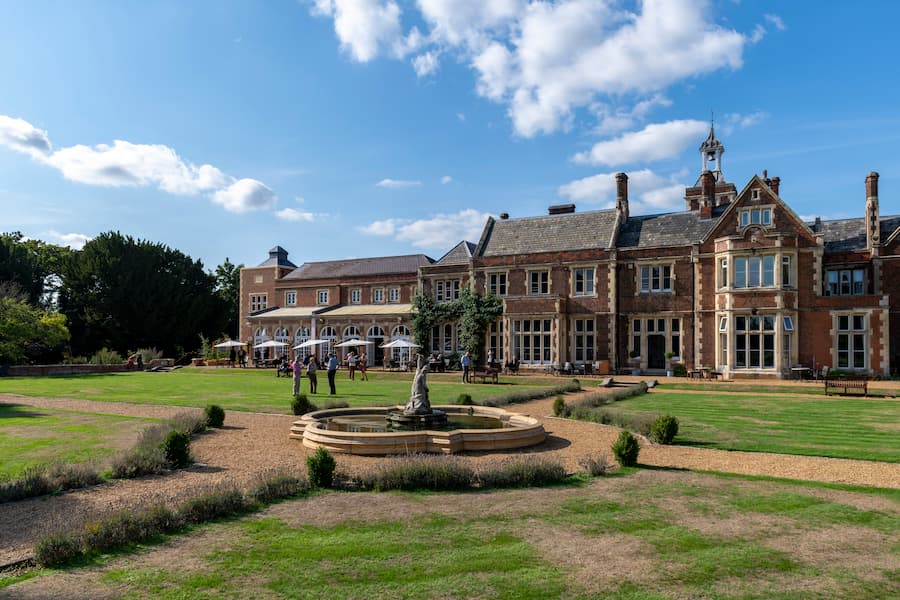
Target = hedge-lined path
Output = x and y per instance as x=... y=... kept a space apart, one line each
x=252 y=443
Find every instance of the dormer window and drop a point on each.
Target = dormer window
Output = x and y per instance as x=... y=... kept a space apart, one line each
x=754 y=194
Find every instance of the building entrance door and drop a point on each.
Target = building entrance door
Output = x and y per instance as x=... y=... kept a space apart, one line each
x=656 y=352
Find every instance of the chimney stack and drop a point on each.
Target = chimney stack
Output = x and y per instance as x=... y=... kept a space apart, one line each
x=622 y=195
x=561 y=209
x=707 y=194
x=504 y=216
x=873 y=222
x=775 y=184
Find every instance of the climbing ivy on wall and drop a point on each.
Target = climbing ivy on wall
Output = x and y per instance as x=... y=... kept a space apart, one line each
x=474 y=313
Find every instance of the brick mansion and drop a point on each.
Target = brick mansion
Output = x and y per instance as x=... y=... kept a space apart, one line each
x=735 y=282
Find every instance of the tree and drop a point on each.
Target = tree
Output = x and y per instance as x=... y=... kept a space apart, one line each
x=474 y=313
x=228 y=288
x=29 y=334
x=123 y=293
x=20 y=265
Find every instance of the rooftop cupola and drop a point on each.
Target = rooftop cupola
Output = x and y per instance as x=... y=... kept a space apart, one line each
x=712 y=150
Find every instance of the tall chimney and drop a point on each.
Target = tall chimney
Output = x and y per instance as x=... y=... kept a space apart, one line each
x=707 y=193
x=873 y=223
x=775 y=184
x=622 y=194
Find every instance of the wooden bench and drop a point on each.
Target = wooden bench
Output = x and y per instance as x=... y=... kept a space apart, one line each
x=492 y=374
x=842 y=385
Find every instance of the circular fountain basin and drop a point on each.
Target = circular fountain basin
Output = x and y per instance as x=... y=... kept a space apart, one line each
x=366 y=431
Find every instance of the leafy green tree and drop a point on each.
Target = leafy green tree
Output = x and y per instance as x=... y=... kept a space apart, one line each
x=31 y=266
x=123 y=293
x=228 y=288
x=29 y=334
x=474 y=313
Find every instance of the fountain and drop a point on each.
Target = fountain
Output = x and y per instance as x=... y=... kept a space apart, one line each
x=417 y=427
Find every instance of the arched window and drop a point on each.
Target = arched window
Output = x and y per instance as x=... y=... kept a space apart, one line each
x=400 y=332
x=300 y=336
x=351 y=332
x=330 y=336
x=259 y=336
x=401 y=355
x=375 y=355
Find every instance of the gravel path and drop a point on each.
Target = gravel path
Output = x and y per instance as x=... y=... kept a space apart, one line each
x=252 y=443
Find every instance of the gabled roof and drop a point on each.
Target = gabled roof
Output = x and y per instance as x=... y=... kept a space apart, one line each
x=666 y=230
x=551 y=233
x=458 y=255
x=360 y=267
x=278 y=257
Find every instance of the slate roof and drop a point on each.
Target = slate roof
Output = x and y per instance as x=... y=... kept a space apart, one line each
x=849 y=235
x=357 y=267
x=458 y=255
x=277 y=258
x=550 y=233
x=666 y=230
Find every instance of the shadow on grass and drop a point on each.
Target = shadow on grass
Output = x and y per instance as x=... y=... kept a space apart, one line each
x=14 y=411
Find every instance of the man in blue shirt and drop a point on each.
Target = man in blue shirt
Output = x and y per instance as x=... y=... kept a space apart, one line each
x=332 y=369
x=466 y=362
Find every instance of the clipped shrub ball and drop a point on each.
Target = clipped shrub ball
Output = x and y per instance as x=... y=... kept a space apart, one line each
x=177 y=448
x=626 y=449
x=215 y=415
x=664 y=429
x=559 y=407
x=465 y=399
x=300 y=405
x=320 y=468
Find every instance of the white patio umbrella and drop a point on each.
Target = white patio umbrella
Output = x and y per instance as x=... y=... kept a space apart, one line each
x=271 y=344
x=309 y=344
x=353 y=342
x=399 y=344
x=229 y=344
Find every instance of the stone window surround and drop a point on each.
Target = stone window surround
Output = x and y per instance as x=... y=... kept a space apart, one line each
x=594 y=281
x=322 y=297
x=258 y=300
x=290 y=298
x=779 y=252
x=356 y=296
x=378 y=295
x=487 y=281
x=536 y=270
x=655 y=262
x=747 y=211
x=394 y=295
x=851 y=331
x=782 y=318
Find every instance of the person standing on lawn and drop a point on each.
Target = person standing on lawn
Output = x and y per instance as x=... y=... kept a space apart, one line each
x=311 y=368
x=352 y=360
x=363 y=359
x=297 y=367
x=466 y=362
x=332 y=369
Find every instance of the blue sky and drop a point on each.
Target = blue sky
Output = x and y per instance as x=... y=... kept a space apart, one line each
x=342 y=128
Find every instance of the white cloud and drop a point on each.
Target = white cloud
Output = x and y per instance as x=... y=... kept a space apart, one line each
x=734 y=121
x=245 y=195
x=75 y=241
x=758 y=33
x=545 y=60
x=124 y=164
x=611 y=121
x=655 y=142
x=776 y=21
x=22 y=136
x=291 y=214
x=647 y=191
x=397 y=183
x=446 y=179
x=365 y=28
x=440 y=231
x=426 y=64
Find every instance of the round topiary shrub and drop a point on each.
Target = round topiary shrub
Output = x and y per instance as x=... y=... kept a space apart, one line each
x=320 y=468
x=559 y=407
x=626 y=449
x=465 y=399
x=215 y=415
x=177 y=448
x=664 y=429
x=300 y=405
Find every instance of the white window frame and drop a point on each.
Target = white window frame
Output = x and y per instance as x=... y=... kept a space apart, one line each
x=394 y=295
x=356 y=296
x=539 y=280
x=290 y=298
x=322 y=297
x=377 y=295
x=447 y=290
x=587 y=282
x=496 y=283
x=758 y=216
x=584 y=343
x=837 y=287
x=852 y=329
x=655 y=277
x=754 y=270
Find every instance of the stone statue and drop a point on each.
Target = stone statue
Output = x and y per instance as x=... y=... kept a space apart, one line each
x=418 y=399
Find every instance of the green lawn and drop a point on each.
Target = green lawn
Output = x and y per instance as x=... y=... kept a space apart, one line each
x=647 y=535
x=32 y=436
x=863 y=428
x=254 y=389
